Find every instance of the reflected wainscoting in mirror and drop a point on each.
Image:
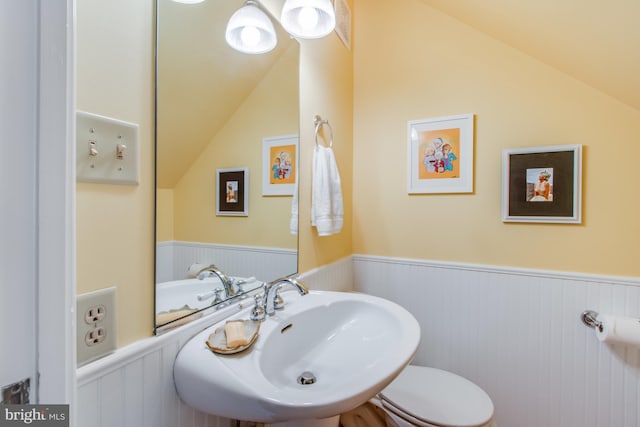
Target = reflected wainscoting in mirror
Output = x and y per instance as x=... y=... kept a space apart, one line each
x=214 y=108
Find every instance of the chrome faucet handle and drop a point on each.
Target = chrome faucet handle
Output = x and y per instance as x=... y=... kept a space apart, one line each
x=278 y=302
x=240 y=289
x=218 y=298
x=218 y=302
x=258 y=311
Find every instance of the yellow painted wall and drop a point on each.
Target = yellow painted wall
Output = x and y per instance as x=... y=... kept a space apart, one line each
x=271 y=110
x=413 y=62
x=326 y=89
x=115 y=222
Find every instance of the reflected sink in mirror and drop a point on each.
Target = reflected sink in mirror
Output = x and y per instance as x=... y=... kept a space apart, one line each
x=346 y=346
x=194 y=294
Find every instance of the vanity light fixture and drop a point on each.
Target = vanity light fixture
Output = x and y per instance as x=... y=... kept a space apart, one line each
x=188 y=1
x=250 y=30
x=308 y=19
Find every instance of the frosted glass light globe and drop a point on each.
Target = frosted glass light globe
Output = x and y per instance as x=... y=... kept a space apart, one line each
x=250 y=30
x=250 y=36
x=308 y=18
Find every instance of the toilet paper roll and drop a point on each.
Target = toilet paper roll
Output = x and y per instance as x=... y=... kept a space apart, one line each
x=194 y=268
x=618 y=330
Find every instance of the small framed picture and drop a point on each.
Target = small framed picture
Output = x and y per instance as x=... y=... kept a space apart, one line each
x=279 y=165
x=440 y=155
x=542 y=184
x=232 y=192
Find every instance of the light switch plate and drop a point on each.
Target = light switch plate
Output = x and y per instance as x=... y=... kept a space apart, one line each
x=96 y=324
x=107 y=150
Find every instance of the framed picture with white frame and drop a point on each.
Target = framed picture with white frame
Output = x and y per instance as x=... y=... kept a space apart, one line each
x=542 y=184
x=232 y=192
x=279 y=165
x=440 y=155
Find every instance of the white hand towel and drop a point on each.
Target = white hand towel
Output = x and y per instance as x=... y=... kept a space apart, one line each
x=293 y=223
x=327 y=211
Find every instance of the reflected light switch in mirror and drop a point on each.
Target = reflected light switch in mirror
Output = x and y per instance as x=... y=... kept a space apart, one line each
x=107 y=150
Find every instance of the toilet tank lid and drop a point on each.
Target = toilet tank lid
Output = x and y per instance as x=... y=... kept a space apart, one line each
x=438 y=397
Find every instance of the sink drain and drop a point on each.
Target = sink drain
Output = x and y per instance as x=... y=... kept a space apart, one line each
x=306 y=378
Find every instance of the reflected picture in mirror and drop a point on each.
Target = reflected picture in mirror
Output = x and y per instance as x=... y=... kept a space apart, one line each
x=214 y=108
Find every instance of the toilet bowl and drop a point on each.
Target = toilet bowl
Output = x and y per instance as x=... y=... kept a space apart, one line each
x=425 y=397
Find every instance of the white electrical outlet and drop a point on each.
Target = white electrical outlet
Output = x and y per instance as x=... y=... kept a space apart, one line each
x=95 y=314
x=96 y=323
x=95 y=336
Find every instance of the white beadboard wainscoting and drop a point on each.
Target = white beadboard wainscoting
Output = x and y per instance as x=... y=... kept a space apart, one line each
x=134 y=387
x=518 y=335
x=173 y=258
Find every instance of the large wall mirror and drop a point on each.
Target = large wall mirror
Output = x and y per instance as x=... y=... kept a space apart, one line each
x=216 y=110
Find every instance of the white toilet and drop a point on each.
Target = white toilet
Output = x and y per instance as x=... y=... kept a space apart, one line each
x=425 y=397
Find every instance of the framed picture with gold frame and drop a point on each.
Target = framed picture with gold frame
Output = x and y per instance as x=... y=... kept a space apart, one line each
x=542 y=184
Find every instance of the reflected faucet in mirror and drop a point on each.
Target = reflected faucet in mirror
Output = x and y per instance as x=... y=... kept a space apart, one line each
x=227 y=283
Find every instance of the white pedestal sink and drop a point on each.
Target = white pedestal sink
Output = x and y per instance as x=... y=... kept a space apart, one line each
x=350 y=346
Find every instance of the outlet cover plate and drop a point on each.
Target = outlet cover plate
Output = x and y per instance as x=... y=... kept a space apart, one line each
x=96 y=324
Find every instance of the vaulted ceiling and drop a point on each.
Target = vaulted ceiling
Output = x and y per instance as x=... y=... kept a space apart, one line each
x=595 y=41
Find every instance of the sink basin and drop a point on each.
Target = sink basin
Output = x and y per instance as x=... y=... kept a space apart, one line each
x=347 y=346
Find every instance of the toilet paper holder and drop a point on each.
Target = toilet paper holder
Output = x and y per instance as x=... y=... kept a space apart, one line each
x=590 y=318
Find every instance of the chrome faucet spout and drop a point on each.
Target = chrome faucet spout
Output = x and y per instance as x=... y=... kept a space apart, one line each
x=227 y=283
x=271 y=291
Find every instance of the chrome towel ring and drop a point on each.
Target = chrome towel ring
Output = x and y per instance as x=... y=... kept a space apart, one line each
x=318 y=123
